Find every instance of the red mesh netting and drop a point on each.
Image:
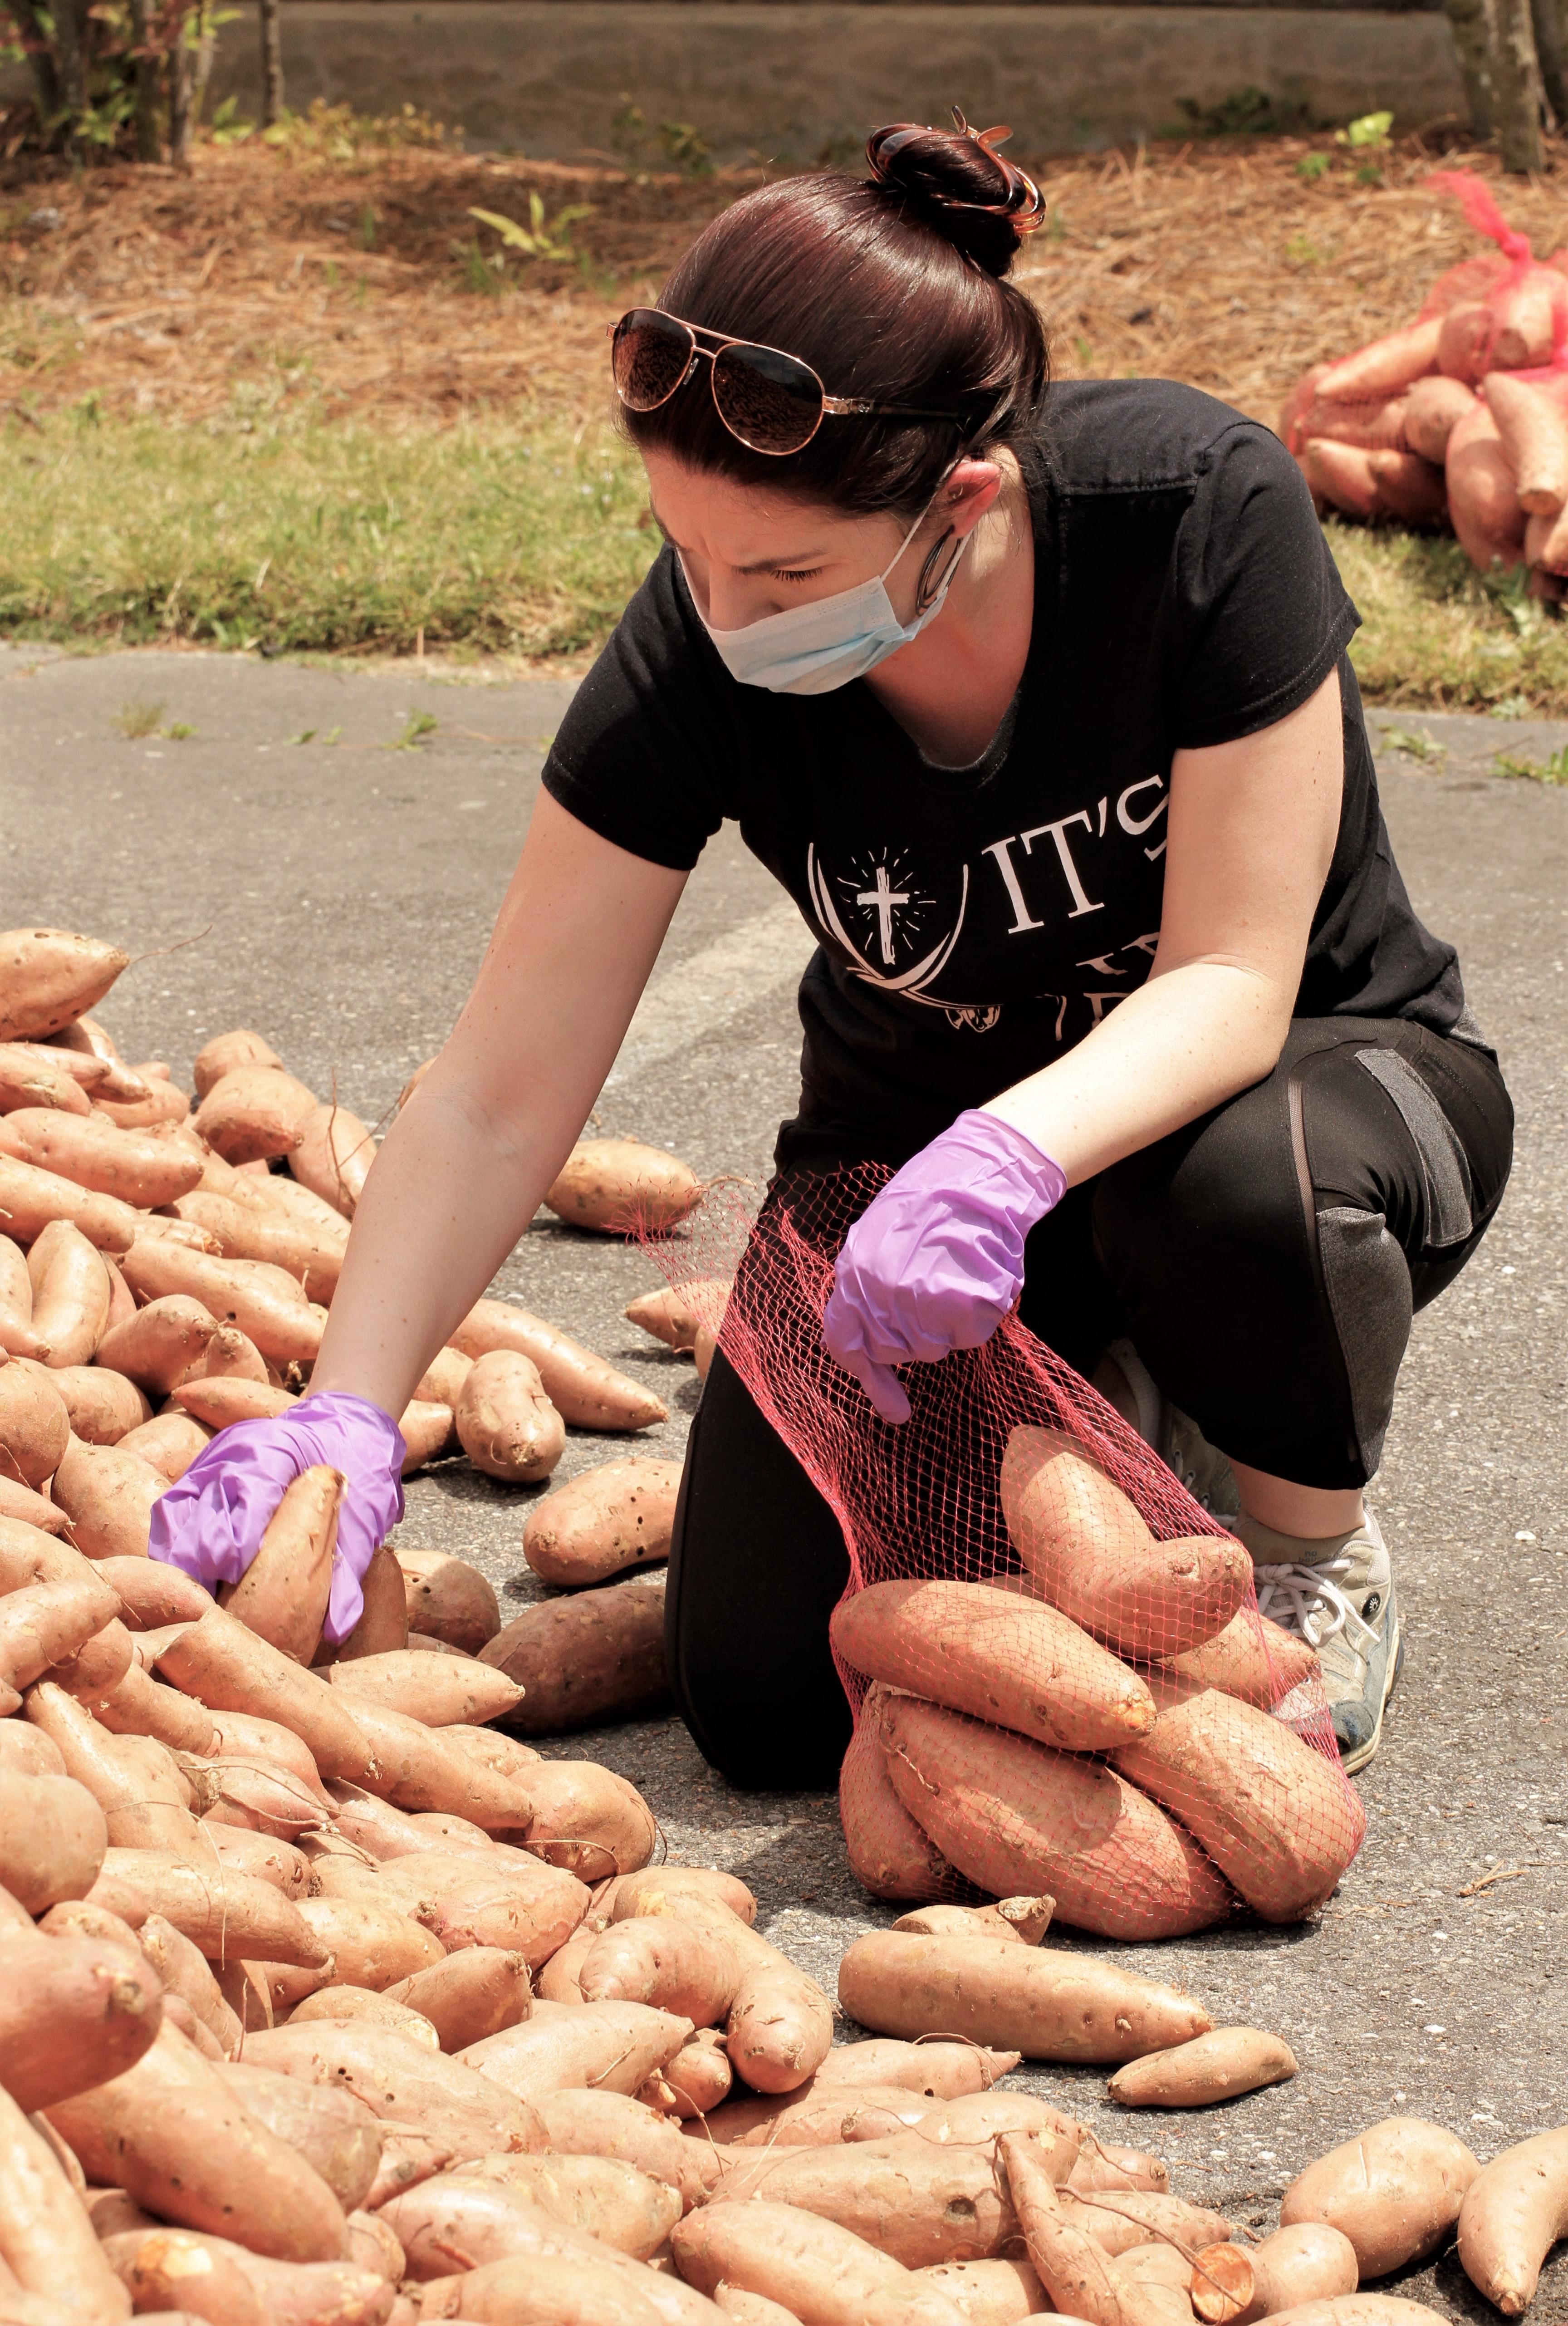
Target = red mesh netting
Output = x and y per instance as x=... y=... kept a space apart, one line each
x=1060 y=1679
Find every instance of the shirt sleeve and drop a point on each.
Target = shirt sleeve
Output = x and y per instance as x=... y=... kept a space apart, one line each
x=1268 y=617
x=641 y=755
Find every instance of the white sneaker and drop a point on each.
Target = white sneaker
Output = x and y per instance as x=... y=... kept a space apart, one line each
x=1338 y=1595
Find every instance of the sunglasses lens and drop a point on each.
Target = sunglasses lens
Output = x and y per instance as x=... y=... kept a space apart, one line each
x=649 y=357
x=773 y=402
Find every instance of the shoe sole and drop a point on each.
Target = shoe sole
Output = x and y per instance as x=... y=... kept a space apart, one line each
x=1358 y=1759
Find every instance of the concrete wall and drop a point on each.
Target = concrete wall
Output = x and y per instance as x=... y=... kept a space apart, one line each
x=795 y=81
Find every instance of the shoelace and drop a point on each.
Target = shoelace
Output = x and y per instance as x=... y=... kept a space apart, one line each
x=1311 y=1601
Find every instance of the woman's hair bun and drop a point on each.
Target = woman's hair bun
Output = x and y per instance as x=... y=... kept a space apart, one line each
x=961 y=185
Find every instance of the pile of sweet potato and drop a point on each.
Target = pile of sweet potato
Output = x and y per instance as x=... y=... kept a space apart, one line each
x=1462 y=416
x=165 y=1271
x=1101 y=1730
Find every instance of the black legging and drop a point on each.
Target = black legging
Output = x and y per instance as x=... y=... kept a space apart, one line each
x=1266 y=1262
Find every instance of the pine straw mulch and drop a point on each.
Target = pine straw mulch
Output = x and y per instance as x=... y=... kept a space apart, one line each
x=262 y=280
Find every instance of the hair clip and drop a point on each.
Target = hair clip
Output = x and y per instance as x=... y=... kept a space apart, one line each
x=1025 y=206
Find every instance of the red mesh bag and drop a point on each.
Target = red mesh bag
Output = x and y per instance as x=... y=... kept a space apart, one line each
x=1060 y=1681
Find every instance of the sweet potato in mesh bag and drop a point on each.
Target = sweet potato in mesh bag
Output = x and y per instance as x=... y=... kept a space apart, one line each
x=1030 y=1588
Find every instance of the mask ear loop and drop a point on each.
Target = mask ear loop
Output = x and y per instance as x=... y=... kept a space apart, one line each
x=928 y=589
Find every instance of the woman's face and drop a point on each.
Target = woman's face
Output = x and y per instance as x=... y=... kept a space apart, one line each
x=749 y=552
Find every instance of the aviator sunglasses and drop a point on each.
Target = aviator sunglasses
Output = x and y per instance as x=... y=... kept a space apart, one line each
x=770 y=402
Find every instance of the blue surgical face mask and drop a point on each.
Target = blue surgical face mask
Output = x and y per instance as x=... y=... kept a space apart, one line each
x=812 y=649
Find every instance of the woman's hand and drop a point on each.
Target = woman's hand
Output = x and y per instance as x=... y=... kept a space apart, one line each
x=210 y=1523
x=936 y=1260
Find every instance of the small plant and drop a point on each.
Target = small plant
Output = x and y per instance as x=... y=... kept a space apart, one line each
x=367 y=228
x=1415 y=742
x=1313 y=166
x=687 y=148
x=1553 y=770
x=228 y=128
x=541 y=238
x=1300 y=250
x=1368 y=134
x=137 y=719
x=419 y=724
x=178 y=730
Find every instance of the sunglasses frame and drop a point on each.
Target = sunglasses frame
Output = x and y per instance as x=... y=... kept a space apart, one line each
x=831 y=407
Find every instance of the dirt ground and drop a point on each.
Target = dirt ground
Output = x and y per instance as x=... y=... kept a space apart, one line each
x=280 y=280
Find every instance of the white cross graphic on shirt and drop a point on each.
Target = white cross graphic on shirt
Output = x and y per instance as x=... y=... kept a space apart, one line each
x=883 y=899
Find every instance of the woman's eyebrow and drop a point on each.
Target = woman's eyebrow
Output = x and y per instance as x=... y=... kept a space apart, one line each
x=763 y=564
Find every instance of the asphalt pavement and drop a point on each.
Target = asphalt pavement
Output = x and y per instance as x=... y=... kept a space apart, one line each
x=316 y=860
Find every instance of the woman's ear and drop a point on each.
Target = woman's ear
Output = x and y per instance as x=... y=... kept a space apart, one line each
x=967 y=491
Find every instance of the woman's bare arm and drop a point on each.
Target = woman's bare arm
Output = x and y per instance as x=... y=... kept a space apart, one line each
x=1252 y=831
x=463 y=1167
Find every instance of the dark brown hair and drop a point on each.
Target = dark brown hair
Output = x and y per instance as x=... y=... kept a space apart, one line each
x=890 y=288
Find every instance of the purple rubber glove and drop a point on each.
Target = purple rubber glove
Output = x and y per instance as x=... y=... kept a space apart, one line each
x=936 y=1260
x=210 y=1523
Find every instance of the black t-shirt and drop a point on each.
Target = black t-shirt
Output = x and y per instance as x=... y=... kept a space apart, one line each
x=973 y=924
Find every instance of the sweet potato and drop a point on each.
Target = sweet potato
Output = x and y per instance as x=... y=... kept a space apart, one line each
x=1513 y=2214
x=1483 y=503
x=1252 y=1658
x=371 y=1946
x=1094 y=1557
x=46 y=2242
x=986 y=2292
x=47 y=977
x=31 y=1076
x=1109 y=2164
x=821 y=2274
x=104 y=1407
x=508 y=1428
x=333 y=1156
x=228 y=1668
x=1310 y=2262
x=939 y=2069
x=337 y=2001
x=1018 y=1819
x=169 y=2133
x=613 y=2046
x=140 y=1706
x=17 y=1336
x=676 y=1314
x=557 y=1979
x=334 y=2132
x=134 y=1780
x=1275 y=1816
x=226 y=1052
x=30 y=1198
x=74 y=2011
x=184 y=1971
x=997 y=1655
x=601 y=2196
x=612 y=1518
x=228 y=1915
x=1218 y=2066
x=589 y=1820
x=597 y=1656
x=591 y=2122
x=585 y=1391
x=35 y=1512
x=34 y=1426
x=70 y=1293
x=53 y=1838
x=915 y=2200
x=1122 y=2219
x=475 y=1993
x=419 y=1768
x=168 y=1444
x=226 y=2284
x=402 y=2083
x=889 y=1853
x=45 y=1623
x=153 y=1594
x=1394 y=2192
x=1048 y=2006
x=449 y=1599
x=218 y=1401
x=443 y=1377
x=1534 y=434
x=108 y=1497
x=688 y=1968
x=266 y=1305
x=1432 y=410
x=434 y=1689
x=229 y=1355
x=548 y=2290
x=29 y=1752
x=697 y=2081
x=821 y=2116
x=618 y=1186
x=780 y=2025
x=1076 y=2273
x=283 y=1594
x=1359 y=2310
x=1384 y=364
x=254 y=1112
x=251 y=1232
x=1024 y=1920
x=383 y=1626
x=140 y=1168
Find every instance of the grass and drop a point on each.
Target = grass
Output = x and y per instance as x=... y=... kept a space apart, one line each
x=484 y=537
x=525 y=537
